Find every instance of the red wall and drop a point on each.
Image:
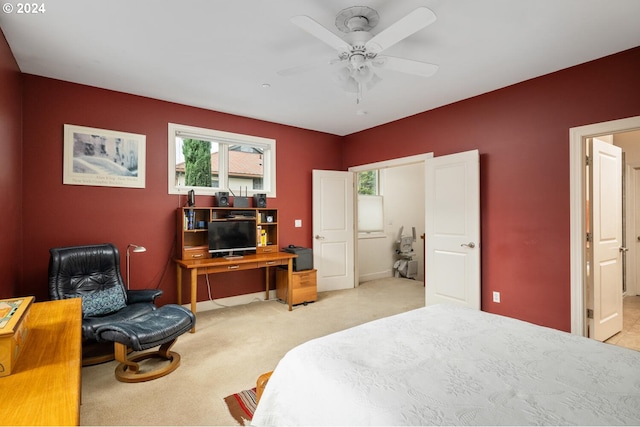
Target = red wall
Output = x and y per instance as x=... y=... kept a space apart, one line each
x=522 y=133
x=61 y=215
x=10 y=171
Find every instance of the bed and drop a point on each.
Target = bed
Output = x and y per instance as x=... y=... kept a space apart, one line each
x=450 y=365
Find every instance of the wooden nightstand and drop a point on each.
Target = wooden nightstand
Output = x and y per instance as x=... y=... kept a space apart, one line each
x=303 y=286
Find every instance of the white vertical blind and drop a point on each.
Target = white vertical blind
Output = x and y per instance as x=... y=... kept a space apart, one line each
x=370 y=213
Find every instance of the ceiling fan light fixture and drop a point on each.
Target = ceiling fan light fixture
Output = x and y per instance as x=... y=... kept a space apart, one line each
x=358 y=49
x=357 y=61
x=357 y=18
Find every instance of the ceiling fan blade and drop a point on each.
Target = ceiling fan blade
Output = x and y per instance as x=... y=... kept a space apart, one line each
x=408 y=66
x=300 y=69
x=401 y=29
x=321 y=33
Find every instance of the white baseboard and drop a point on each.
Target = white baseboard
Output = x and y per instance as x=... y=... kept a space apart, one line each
x=375 y=276
x=230 y=301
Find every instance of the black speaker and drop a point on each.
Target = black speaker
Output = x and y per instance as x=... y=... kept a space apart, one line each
x=222 y=199
x=259 y=200
x=191 y=198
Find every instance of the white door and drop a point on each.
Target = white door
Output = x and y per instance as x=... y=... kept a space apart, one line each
x=452 y=211
x=633 y=236
x=333 y=234
x=604 y=283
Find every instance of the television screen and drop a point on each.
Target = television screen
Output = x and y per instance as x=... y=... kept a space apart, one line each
x=232 y=235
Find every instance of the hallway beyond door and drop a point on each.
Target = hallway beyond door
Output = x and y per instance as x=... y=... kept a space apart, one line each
x=629 y=337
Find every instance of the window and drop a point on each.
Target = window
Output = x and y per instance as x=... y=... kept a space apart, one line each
x=368 y=183
x=209 y=161
x=370 y=203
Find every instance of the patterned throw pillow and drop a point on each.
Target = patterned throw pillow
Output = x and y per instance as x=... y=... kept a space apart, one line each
x=103 y=302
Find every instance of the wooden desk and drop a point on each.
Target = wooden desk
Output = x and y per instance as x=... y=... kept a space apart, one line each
x=222 y=265
x=45 y=387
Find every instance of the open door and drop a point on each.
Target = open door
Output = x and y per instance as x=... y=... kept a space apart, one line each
x=604 y=251
x=333 y=229
x=453 y=229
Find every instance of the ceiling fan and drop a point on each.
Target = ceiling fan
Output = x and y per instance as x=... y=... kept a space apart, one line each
x=359 y=51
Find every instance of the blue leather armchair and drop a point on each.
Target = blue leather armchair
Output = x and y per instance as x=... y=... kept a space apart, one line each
x=92 y=272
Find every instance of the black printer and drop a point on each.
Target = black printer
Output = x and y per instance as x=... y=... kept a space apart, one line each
x=305 y=257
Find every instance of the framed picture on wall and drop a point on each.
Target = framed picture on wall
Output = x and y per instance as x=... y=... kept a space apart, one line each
x=101 y=157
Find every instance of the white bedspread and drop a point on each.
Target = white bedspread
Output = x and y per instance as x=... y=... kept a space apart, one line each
x=450 y=365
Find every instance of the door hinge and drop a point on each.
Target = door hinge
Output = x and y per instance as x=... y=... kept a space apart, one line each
x=588 y=237
x=589 y=313
x=587 y=161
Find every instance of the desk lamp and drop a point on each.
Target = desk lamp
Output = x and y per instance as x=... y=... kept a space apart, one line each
x=136 y=248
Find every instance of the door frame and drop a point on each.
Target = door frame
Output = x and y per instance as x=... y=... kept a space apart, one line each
x=399 y=161
x=577 y=179
x=632 y=169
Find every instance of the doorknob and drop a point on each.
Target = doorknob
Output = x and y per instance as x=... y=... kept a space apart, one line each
x=470 y=245
x=623 y=249
x=319 y=237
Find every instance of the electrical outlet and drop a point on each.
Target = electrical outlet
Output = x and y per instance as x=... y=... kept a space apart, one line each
x=496 y=296
x=298 y=223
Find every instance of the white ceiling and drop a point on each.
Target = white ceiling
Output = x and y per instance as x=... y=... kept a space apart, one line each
x=217 y=54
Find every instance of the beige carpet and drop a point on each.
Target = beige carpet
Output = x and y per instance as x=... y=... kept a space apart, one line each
x=231 y=348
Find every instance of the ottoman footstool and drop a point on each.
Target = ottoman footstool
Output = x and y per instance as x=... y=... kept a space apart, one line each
x=161 y=327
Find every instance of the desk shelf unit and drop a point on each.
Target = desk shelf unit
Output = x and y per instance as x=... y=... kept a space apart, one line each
x=192 y=223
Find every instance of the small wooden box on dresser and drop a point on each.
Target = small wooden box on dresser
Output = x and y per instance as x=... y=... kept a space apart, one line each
x=304 y=286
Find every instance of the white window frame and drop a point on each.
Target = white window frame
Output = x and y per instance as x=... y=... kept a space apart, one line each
x=224 y=139
x=378 y=196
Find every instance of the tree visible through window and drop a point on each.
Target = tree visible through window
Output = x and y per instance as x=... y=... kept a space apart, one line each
x=368 y=182
x=370 y=202
x=197 y=162
x=209 y=161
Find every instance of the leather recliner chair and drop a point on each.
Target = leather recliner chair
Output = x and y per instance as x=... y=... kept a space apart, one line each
x=92 y=272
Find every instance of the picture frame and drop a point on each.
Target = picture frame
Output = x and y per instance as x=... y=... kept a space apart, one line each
x=101 y=157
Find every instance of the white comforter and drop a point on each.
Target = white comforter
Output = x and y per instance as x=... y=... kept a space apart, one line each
x=450 y=365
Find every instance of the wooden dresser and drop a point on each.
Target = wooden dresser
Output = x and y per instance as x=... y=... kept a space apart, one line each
x=44 y=388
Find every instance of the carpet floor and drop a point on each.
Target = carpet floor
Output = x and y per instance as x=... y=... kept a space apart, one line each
x=231 y=348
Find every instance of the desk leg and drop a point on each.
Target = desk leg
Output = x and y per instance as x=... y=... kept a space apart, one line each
x=266 y=281
x=289 y=282
x=179 y=282
x=194 y=294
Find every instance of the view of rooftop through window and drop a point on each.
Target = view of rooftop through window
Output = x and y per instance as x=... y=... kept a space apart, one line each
x=200 y=162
